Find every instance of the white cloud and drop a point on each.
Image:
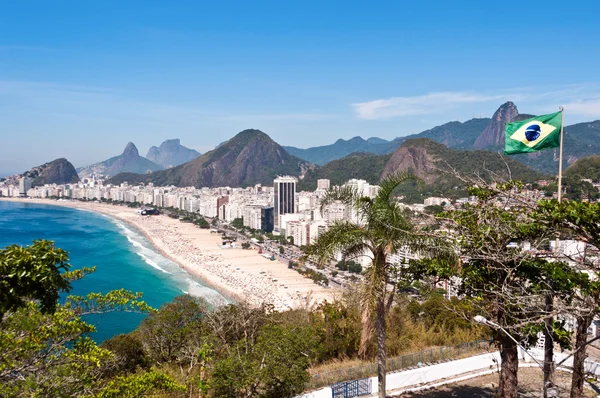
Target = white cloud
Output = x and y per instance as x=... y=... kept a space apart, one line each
x=589 y=107
x=578 y=99
x=418 y=105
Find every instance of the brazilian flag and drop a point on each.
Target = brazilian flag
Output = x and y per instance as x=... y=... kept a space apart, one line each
x=532 y=135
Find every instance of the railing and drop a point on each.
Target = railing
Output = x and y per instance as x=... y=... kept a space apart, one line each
x=407 y=361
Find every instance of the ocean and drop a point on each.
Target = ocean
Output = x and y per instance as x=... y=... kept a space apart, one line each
x=123 y=258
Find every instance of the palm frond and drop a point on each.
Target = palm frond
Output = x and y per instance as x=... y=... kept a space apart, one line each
x=346 y=195
x=342 y=237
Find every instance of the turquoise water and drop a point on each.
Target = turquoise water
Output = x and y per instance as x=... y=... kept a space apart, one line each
x=123 y=257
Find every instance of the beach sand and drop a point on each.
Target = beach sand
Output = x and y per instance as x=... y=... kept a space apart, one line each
x=241 y=274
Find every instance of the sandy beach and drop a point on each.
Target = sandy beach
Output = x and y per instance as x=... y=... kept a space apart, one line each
x=241 y=274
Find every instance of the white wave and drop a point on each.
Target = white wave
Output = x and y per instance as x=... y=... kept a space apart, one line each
x=213 y=297
x=152 y=263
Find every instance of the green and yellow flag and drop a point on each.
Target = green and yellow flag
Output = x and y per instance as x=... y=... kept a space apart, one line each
x=532 y=135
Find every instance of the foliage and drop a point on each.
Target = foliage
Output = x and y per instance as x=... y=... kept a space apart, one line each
x=173 y=333
x=202 y=223
x=382 y=230
x=275 y=366
x=137 y=385
x=32 y=272
x=128 y=352
x=238 y=223
x=246 y=245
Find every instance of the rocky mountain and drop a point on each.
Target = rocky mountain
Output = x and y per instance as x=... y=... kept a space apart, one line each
x=129 y=161
x=429 y=160
x=454 y=135
x=171 y=153
x=59 y=171
x=493 y=134
x=251 y=157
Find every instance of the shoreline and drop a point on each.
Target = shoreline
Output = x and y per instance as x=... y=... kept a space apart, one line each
x=238 y=274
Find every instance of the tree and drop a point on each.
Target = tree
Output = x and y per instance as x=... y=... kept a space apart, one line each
x=273 y=366
x=128 y=352
x=238 y=223
x=245 y=245
x=32 y=272
x=581 y=220
x=498 y=275
x=167 y=334
x=382 y=230
x=50 y=354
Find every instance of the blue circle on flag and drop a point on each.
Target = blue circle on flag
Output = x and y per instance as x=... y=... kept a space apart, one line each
x=533 y=132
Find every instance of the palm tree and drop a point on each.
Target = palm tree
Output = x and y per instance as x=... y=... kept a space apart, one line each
x=381 y=230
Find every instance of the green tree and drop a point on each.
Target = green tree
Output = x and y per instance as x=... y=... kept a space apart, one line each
x=202 y=223
x=50 y=355
x=274 y=366
x=497 y=275
x=581 y=220
x=168 y=333
x=238 y=223
x=32 y=272
x=128 y=352
x=382 y=230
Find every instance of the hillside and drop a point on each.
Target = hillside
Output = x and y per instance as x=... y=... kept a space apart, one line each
x=249 y=158
x=59 y=171
x=364 y=166
x=588 y=168
x=129 y=161
x=171 y=153
x=427 y=159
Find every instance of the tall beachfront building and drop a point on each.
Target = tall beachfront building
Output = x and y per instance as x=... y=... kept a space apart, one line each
x=284 y=201
x=24 y=186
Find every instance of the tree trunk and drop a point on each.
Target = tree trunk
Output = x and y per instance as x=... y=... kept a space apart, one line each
x=508 y=386
x=583 y=323
x=381 y=349
x=548 y=347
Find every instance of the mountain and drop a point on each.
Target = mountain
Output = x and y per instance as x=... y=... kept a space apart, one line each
x=494 y=132
x=59 y=171
x=324 y=154
x=429 y=160
x=360 y=165
x=249 y=158
x=129 y=161
x=455 y=135
x=171 y=153
x=588 y=167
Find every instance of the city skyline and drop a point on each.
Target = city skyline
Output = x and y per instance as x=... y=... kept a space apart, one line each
x=81 y=80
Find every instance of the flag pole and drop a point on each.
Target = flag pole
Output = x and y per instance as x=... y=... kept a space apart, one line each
x=560 y=154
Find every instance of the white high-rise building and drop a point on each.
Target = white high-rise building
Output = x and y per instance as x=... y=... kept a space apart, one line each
x=24 y=186
x=284 y=201
x=323 y=184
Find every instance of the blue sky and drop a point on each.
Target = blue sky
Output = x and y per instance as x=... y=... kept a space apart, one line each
x=79 y=79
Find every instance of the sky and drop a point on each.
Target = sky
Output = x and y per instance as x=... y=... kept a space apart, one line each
x=80 y=79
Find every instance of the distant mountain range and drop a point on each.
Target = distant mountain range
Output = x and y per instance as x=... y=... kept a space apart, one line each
x=129 y=161
x=580 y=140
x=455 y=135
x=249 y=158
x=171 y=153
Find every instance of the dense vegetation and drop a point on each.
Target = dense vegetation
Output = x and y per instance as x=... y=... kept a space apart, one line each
x=183 y=349
x=364 y=166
